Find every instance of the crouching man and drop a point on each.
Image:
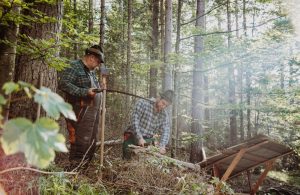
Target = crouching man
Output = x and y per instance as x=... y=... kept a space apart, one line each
x=149 y=118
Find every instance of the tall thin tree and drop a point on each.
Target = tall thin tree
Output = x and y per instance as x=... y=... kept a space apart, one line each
x=231 y=79
x=196 y=154
x=154 y=48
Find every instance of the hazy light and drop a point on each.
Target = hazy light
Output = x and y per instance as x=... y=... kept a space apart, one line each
x=293 y=7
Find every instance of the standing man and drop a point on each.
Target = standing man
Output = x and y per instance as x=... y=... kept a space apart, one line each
x=149 y=118
x=78 y=81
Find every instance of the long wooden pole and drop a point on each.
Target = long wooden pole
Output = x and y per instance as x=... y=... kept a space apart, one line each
x=103 y=120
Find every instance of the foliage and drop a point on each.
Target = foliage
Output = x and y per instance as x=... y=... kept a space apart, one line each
x=37 y=140
x=60 y=184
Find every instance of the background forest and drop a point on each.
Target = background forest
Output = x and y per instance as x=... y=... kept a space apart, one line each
x=233 y=64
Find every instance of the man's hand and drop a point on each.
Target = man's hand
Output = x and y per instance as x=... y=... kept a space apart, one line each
x=91 y=93
x=141 y=142
x=162 y=150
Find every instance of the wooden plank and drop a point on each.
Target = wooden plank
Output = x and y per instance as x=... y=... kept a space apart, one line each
x=252 y=157
x=233 y=164
x=268 y=167
x=257 y=164
x=246 y=149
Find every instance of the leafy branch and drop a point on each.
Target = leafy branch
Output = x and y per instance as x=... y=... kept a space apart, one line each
x=40 y=139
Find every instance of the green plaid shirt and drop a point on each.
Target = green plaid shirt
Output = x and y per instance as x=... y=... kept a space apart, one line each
x=75 y=80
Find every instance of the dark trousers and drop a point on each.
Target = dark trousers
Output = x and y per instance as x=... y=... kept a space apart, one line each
x=83 y=134
x=130 y=139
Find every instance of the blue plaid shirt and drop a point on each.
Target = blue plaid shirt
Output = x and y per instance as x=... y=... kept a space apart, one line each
x=145 y=122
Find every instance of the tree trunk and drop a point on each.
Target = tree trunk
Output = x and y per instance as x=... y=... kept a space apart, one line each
x=91 y=16
x=248 y=87
x=231 y=77
x=102 y=26
x=244 y=18
x=29 y=69
x=241 y=112
x=162 y=29
x=75 y=46
x=196 y=154
x=8 y=52
x=154 y=49
x=236 y=14
x=128 y=65
x=175 y=131
x=167 y=77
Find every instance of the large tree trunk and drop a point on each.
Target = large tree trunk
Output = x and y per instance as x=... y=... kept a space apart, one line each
x=8 y=52
x=154 y=49
x=29 y=69
x=196 y=154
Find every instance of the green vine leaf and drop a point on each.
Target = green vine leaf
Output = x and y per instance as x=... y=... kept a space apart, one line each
x=53 y=104
x=37 y=141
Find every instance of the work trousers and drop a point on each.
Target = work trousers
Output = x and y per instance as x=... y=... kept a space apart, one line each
x=83 y=133
x=130 y=139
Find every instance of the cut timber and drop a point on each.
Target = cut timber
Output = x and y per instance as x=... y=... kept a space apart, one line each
x=138 y=149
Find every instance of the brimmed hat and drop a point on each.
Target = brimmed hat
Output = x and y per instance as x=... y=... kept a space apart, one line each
x=96 y=50
x=167 y=95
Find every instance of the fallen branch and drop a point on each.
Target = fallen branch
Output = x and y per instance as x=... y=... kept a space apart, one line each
x=137 y=149
x=111 y=142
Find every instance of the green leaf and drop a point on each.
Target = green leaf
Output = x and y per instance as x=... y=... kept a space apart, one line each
x=37 y=141
x=54 y=104
x=2 y=100
x=24 y=84
x=10 y=87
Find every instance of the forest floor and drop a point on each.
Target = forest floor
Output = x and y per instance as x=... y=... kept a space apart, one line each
x=142 y=175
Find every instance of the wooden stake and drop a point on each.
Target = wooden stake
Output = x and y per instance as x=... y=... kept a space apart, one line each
x=103 y=120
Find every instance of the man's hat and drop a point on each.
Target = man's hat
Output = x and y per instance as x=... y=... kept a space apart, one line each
x=97 y=51
x=167 y=95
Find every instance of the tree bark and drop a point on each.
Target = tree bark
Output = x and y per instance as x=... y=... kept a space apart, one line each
x=75 y=46
x=244 y=18
x=248 y=87
x=29 y=69
x=162 y=29
x=196 y=154
x=91 y=16
x=8 y=52
x=175 y=132
x=128 y=64
x=154 y=49
x=231 y=77
x=168 y=75
x=102 y=24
